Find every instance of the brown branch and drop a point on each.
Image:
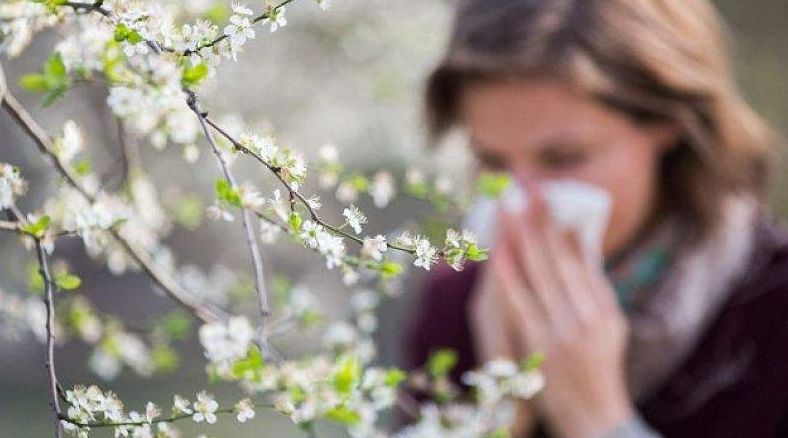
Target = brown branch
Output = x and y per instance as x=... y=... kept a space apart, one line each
x=223 y=37
x=50 y=352
x=169 y=284
x=251 y=240
x=295 y=194
x=9 y=226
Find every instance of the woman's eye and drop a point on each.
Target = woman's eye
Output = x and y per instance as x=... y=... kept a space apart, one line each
x=563 y=160
x=492 y=162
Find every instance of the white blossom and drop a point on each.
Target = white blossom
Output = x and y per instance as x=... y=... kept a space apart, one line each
x=244 y=410
x=224 y=343
x=426 y=254
x=151 y=412
x=324 y=4
x=205 y=408
x=382 y=189
x=71 y=143
x=11 y=185
x=355 y=218
x=374 y=247
x=276 y=18
x=180 y=405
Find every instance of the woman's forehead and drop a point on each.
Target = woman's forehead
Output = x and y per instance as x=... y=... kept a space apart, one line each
x=532 y=112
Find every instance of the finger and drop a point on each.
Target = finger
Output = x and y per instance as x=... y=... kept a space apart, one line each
x=568 y=266
x=526 y=315
x=535 y=263
x=603 y=294
x=493 y=338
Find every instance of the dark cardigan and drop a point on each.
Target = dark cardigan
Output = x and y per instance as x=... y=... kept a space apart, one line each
x=733 y=384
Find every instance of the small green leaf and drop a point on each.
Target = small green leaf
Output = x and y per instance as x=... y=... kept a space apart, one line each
x=295 y=221
x=189 y=211
x=218 y=13
x=493 y=184
x=195 y=74
x=82 y=167
x=475 y=253
x=121 y=32
x=35 y=281
x=165 y=358
x=395 y=376
x=501 y=432
x=55 y=71
x=390 y=269
x=226 y=193
x=532 y=362
x=38 y=228
x=34 y=82
x=442 y=362
x=250 y=367
x=343 y=415
x=347 y=374
x=176 y=325
x=359 y=182
x=66 y=281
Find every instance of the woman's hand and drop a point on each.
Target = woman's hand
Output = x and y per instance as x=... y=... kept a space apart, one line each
x=551 y=300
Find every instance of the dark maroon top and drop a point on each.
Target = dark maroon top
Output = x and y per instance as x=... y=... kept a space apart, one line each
x=734 y=383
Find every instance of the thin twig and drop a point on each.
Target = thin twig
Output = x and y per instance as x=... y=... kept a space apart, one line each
x=223 y=37
x=294 y=193
x=170 y=419
x=9 y=226
x=50 y=353
x=171 y=287
x=251 y=240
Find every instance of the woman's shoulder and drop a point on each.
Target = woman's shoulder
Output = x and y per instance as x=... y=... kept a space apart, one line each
x=733 y=383
x=766 y=278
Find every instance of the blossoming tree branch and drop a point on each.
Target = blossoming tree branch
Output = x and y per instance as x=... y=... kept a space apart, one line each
x=153 y=60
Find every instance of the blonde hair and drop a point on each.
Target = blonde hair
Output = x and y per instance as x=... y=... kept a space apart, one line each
x=655 y=60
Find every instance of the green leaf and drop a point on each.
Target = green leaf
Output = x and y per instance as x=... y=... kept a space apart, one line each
x=165 y=358
x=34 y=82
x=113 y=61
x=501 y=432
x=347 y=374
x=176 y=325
x=38 y=228
x=53 y=80
x=250 y=367
x=281 y=285
x=82 y=167
x=442 y=362
x=395 y=376
x=121 y=32
x=125 y=33
x=359 y=182
x=295 y=221
x=226 y=193
x=66 y=281
x=475 y=253
x=390 y=269
x=35 y=281
x=343 y=415
x=218 y=13
x=533 y=362
x=193 y=75
x=55 y=71
x=493 y=184
x=189 y=211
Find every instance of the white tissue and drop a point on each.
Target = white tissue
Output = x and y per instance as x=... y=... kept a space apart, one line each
x=573 y=205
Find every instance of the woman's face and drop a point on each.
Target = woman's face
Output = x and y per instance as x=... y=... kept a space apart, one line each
x=544 y=130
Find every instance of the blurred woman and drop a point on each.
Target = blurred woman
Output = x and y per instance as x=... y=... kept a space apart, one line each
x=683 y=330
